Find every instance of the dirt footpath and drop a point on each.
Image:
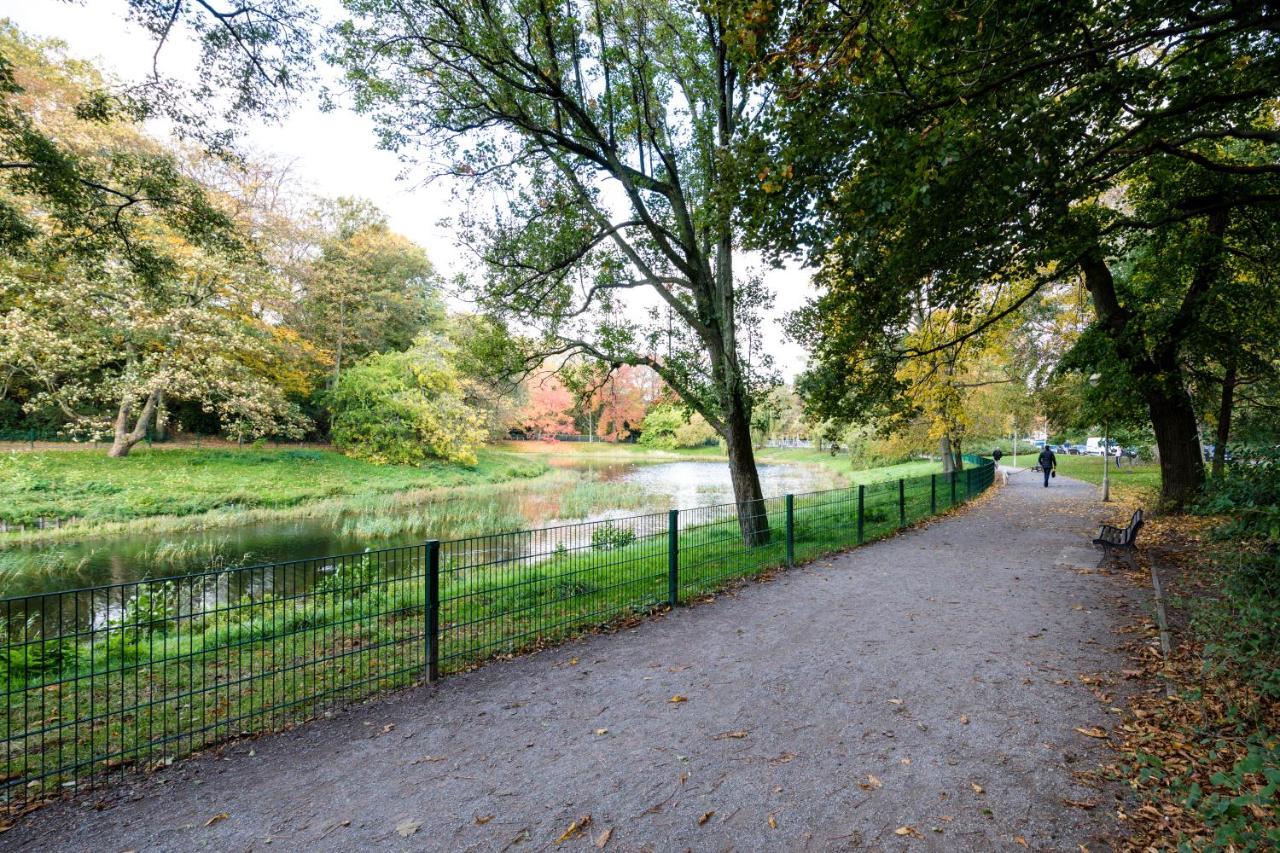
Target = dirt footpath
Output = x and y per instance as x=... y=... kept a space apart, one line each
x=918 y=693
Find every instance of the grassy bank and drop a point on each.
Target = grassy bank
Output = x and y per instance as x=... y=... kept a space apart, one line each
x=172 y=671
x=1139 y=483
x=840 y=464
x=185 y=484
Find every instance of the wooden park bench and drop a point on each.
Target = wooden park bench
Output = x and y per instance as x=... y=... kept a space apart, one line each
x=1123 y=539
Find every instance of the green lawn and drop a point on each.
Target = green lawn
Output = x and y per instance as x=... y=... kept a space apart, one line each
x=1138 y=482
x=148 y=483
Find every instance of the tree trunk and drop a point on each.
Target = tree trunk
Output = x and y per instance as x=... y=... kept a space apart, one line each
x=753 y=519
x=162 y=419
x=1173 y=418
x=948 y=458
x=125 y=439
x=1160 y=378
x=1224 y=418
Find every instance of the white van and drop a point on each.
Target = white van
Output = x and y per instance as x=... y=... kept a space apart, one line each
x=1093 y=445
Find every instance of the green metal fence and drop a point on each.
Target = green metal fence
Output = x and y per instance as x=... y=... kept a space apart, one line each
x=109 y=680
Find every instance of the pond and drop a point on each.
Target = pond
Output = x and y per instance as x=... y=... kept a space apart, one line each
x=578 y=490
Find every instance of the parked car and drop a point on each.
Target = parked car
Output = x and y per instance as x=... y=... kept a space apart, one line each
x=1208 y=453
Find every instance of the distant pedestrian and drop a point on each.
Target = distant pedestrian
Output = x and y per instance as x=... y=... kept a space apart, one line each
x=1048 y=464
x=1117 y=453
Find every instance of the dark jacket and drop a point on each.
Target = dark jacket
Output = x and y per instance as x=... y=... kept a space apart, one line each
x=1047 y=459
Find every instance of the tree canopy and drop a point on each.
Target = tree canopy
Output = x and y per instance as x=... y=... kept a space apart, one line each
x=977 y=155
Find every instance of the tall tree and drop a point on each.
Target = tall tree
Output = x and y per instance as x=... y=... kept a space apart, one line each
x=368 y=289
x=124 y=282
x=605 y=134
x=992 y=150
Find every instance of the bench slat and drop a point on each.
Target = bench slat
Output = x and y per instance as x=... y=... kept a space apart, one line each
x=1120 y=537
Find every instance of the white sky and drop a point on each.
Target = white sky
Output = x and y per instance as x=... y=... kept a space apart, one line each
x=332 y=153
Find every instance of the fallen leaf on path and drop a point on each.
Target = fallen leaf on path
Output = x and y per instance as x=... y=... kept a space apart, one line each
x=905 y=761
x=602 y=731
x=907 y=832
x=706 y=816
x=773 y=824
x=946 y=818
x=575 y=828
x=1018 y=839
x=677 y=668
x=739 y=733
x=895 y=701
x=219 y=816
x=1081 y=804
x=676 y=699
x=603 y=838
x=964 y=720
x=871 y=784
x=481 y=820
x=782 y=759
x=977 y=789
x=405 y=828
x=1092 y=731
x=388 y=728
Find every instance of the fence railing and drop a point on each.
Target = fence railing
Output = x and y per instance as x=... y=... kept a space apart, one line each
x=113 y=679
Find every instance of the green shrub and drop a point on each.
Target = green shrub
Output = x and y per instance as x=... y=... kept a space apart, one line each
x=672 y=427
x=405 y=408
x=1242 y=623
x=608 y=536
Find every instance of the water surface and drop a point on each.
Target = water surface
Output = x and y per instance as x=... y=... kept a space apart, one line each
x=636 y=487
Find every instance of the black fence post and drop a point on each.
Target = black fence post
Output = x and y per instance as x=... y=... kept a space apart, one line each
x=791 y=531
x=673 y=557
x=953 y=488
x=902 y=502
x=862 y=503
x=933 y=494
x=432 y=633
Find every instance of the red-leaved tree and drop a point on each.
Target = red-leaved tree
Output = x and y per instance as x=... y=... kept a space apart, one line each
x=624 y=399
x=549 y=409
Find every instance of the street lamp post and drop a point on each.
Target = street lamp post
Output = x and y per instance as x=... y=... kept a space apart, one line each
x=1106 y=449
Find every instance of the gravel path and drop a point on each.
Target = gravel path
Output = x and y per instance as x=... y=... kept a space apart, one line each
x=929 y=681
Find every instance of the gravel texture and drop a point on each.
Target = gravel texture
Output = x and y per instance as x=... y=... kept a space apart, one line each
x=826 y=709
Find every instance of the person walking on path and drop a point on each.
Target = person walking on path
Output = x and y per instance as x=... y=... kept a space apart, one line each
x=1048 y=464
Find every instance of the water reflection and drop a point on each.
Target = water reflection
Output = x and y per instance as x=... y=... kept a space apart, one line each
x=650 y=487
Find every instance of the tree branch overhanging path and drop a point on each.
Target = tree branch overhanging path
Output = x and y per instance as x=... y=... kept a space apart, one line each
x=955 y=153
x=596 y=143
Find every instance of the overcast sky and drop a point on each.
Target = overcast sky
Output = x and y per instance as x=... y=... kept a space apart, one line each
x=332 y=153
